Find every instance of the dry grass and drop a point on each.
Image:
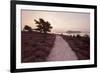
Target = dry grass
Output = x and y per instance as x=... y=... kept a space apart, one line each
x=36 y=46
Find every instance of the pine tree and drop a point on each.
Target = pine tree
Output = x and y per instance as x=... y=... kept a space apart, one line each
x=43 y=26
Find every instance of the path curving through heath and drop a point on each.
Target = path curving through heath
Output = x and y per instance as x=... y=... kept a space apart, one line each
x=61 y=51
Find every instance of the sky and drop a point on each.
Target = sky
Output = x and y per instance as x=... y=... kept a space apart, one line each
x=60 y=21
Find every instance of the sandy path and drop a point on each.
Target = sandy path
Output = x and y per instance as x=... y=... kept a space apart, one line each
x=61 y=51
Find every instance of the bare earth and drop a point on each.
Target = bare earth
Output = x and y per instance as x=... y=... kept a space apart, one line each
x=61 y=51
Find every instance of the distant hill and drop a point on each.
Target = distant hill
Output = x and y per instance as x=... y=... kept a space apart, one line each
x=73 y=32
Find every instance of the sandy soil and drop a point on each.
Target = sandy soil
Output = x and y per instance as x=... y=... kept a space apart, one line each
x=61 y=51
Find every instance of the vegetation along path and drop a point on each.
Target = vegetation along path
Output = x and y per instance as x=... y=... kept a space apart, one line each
x=61 y=51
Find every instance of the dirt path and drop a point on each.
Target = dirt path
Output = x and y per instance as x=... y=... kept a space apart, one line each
x=61 y=51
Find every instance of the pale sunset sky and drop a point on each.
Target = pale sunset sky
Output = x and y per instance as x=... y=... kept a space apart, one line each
x=60 y=21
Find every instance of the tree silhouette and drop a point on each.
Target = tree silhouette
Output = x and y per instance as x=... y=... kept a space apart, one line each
x=43 y=26
x=28 y=28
